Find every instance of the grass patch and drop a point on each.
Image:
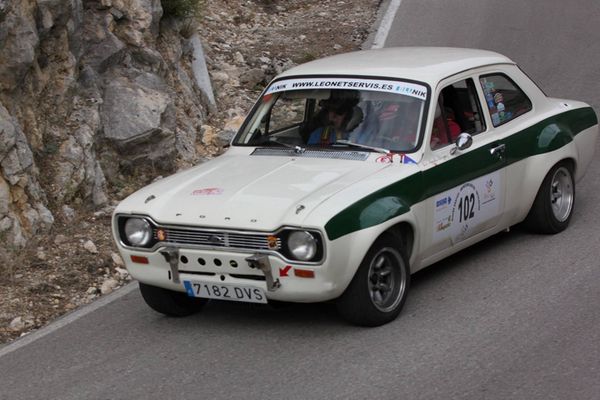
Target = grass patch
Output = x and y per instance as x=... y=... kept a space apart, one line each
x=8 y=258
x=306 y=57
x=182 y=8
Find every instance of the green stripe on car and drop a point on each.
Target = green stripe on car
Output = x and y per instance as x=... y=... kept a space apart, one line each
x=397 y=198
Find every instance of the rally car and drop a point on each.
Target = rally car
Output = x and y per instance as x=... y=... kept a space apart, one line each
x=351 y=173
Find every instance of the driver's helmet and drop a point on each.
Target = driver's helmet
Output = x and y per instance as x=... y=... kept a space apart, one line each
x=341 y=101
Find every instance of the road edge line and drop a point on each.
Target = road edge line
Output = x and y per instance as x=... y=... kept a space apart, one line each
x=385 y=24
x=378 y=42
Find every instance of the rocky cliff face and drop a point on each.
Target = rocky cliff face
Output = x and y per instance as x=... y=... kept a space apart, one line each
x=89 y=91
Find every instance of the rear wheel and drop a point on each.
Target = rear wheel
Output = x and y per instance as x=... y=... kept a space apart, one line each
x=169 y=302
x=379 y=288
x=553 y=205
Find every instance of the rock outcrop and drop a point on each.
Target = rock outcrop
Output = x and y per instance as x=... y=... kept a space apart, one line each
x=57 y=107
x=88 y=90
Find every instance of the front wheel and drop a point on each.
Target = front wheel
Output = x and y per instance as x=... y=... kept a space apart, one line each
x=553 y=205
x=169 y=302
x=379 y=288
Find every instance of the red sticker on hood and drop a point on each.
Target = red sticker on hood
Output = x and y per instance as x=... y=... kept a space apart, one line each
x=207 y=192
x=386 y=159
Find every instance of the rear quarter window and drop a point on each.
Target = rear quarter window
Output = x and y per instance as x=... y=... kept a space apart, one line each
x=504 y=99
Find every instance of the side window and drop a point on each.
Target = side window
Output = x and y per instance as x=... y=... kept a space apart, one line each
x=505 y=100
x=458 y=110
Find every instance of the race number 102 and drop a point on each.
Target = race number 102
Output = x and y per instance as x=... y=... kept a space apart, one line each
x=466 y=207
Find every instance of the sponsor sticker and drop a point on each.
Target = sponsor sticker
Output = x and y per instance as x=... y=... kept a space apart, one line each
x=463 y=211
x=404 y=159
x=386 y=159
x=495 y=118
x=207 y=192
x=389 y=158
x=489 y=98
x=498 y=98
x=443 y=225
x=377 y=85
x=444 y=201
x=489 y=193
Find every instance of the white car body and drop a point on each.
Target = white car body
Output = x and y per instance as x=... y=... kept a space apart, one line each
x=352 y=200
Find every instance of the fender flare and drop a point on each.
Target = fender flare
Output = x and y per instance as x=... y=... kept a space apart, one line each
x=553 y=137
x=364 y=214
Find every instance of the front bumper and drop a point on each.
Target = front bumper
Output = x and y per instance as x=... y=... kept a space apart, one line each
x=281 y=280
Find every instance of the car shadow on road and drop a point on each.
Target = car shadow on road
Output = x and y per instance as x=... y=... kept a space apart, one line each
x=298 y=316
x=465 y=257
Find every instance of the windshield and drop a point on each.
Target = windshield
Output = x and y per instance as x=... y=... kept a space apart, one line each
x=319 y=112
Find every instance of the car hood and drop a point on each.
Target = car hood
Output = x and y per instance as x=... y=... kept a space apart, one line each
x=248 y=192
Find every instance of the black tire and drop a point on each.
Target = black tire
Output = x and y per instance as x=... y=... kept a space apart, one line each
x=169 y=302
x=379 y=288
x=553 y=206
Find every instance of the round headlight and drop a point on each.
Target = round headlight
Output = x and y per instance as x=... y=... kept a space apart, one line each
x=303 y=245
x=138 y=231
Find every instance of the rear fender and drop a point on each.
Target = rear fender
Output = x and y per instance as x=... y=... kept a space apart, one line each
x=553 y=137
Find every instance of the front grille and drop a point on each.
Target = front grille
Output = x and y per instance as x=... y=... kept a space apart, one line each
x=193 y=237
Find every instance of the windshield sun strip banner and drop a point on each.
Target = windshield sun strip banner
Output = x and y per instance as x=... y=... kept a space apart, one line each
x=377 y=85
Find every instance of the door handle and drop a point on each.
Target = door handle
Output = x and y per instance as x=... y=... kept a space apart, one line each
x=498 y=150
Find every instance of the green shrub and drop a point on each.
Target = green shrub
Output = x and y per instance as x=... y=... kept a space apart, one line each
x=182 y=8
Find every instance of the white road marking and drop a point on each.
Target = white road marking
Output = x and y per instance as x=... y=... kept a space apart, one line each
x=386 y=24
x=378 y=42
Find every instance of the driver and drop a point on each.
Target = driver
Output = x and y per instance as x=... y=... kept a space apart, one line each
x=338 y=113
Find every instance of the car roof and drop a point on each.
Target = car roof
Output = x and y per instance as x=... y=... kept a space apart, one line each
x=425 y=64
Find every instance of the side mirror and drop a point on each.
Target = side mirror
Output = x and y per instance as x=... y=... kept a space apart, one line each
x=463 y=141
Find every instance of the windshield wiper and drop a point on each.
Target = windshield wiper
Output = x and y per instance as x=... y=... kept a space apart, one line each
x=362 y=146
x=297 y=149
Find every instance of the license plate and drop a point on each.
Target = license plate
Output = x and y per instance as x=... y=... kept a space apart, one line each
x=225 y=291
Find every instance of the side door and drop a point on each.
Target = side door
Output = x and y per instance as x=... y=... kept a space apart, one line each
x=509 y=102
x=465 y=189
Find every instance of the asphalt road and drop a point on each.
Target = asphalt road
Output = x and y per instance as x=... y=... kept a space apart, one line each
x=515 y=317
x=556 y=42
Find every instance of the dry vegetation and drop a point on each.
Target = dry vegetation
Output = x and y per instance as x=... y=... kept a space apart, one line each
x=77 y=261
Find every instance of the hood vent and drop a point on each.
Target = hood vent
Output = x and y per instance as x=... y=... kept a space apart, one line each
x=337 y=155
